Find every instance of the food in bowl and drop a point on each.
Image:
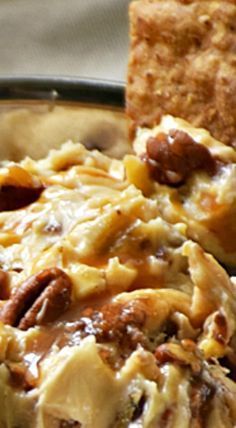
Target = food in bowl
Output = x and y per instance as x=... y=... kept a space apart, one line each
x=110 y=317
x=114 y=312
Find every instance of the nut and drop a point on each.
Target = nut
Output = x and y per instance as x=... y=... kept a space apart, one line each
x=220 y=328
x=18 y=188
x=115 y=323
x=175 y=353
x=173 y=157
x=4 y=285
x=20 y=377
x=42 y=298
x=16 y=197
x=201 y=394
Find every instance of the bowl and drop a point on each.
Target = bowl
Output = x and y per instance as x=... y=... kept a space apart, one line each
x=41 y=113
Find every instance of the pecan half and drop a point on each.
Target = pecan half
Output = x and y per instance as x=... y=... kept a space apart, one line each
x=42 y=298
x=173 y=157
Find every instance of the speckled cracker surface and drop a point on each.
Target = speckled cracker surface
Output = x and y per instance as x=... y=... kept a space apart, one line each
x=183 y=62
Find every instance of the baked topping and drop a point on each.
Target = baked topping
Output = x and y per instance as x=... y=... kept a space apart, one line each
x=39 y=300
x=172 y=157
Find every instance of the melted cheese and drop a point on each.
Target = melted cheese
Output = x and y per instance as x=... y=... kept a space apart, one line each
x=100 y=221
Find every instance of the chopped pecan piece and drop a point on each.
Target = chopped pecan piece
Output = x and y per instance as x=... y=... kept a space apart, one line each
x=122 y=325
x=172 y=158
x=175 y=353
x=200 y=396
x=220 y=328
x=4 y=285
x=115 y=323
x=19 y=377
x=42 y=298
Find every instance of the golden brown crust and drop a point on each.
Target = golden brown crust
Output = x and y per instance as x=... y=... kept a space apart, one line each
x=183 y=62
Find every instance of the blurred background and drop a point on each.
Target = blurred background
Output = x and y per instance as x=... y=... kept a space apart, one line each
x=85 y=38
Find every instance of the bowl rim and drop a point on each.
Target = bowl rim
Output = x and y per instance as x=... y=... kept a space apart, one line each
x=63 y=88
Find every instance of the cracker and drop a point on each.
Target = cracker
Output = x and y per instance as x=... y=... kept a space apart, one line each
x=183 y=62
